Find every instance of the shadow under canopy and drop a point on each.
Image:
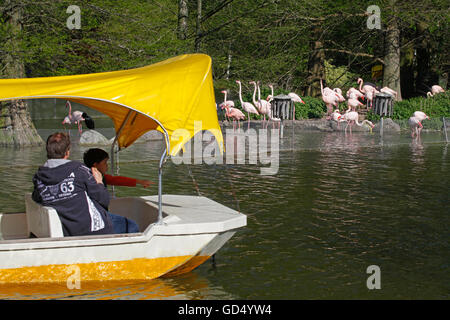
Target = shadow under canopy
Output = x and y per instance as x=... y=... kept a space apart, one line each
x=171 y=96
x=165 y=96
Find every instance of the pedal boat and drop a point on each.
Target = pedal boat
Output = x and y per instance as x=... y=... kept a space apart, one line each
x=177 y=232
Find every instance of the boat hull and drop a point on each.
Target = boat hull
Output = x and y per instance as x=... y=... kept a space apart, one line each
x=193 y=229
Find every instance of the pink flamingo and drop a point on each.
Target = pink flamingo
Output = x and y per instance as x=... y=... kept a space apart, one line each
x=74 y=117
x=435 y=90
x=246 y=106
x=270 y=96
x=338 y=92
x=335 y=116
x=416 y=126
x=389 y=91
x=353 y=93
x=295 y=98
x=420 y=115
x=352 y=117
x=368 y=90
x=234 y=114
x=354 y=103
x=329 y=97
x=265 y=106
x=226 y=102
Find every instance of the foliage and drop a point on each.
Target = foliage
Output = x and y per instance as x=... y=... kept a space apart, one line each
x=313 y=108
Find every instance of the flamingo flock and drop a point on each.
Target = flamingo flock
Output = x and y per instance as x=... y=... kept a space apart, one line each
x=331 y=97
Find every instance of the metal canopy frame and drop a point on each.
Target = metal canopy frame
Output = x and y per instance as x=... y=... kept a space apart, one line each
x=161 y=161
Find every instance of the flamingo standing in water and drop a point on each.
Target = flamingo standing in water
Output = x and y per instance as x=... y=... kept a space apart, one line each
x=368 y=90
x=329 y=97
x=246 y=106
x=226 y=102
x=295 y=98
x=77 y=117
x=416 y=126
x=234 y=114
x=265 y=106
x=420 y=115
x=352 y=117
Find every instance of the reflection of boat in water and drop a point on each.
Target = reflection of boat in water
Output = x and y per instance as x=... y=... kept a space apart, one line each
x=177 y=232
x=188 y=286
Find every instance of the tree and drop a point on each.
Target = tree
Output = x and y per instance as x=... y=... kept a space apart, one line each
x=16 y=127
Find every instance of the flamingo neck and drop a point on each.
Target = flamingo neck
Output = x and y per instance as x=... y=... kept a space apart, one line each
x=254 y=94
x=240 y=93
x=259 y=93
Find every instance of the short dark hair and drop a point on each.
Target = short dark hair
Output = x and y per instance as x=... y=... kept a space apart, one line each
x=57 y=145
x=94 y=155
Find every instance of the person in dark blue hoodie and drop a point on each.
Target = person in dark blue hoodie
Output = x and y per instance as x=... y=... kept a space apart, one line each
x=77 y=193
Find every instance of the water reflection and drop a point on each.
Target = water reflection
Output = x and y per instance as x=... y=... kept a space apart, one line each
x=190 y=286
x=337 y=205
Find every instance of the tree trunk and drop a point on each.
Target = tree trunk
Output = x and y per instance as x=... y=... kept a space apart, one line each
x=199 y=26
x=391 y=75
x=183 y=13
x=316 y=63
x=16 y=126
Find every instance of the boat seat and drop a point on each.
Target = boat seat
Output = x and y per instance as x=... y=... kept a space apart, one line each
x=43 y=222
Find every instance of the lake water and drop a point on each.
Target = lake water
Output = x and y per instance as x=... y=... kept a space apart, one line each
x=337 y=205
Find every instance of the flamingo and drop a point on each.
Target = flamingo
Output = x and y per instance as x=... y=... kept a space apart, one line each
x=235 y=114
x=270 y=96
x=353 y=93
x=368 y=90
x=389 y=91
x=338 y=92
x=352 y=117
x=295 y=98
x=329 y=97
x=226 y=102
x=265 y=106
x=416 y=126
x=336 y=115
x=435 y=90
x=246 y=106
x=420 y=115
x=77 y=117
x=354 y=103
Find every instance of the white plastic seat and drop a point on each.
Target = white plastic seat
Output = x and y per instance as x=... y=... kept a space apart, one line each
x=42 y=221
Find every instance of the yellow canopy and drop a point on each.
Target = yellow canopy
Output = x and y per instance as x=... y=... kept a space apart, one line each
x=165 y=96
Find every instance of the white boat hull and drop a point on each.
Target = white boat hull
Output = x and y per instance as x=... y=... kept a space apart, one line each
x=193 y=229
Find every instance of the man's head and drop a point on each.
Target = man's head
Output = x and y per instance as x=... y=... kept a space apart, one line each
x=58 y=146
x=97 y=158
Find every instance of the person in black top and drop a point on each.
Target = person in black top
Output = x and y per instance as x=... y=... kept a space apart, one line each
x=74 y=190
